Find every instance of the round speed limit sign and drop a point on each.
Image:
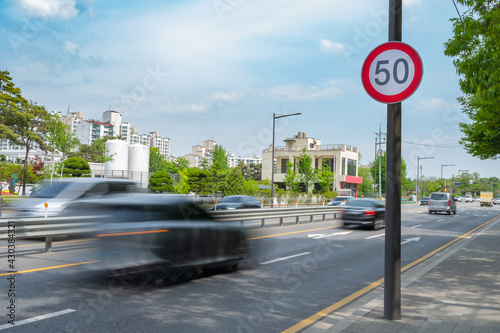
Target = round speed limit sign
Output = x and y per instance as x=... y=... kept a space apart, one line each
x=392 y=72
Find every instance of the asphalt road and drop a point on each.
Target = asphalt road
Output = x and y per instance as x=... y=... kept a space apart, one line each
x=292 y=272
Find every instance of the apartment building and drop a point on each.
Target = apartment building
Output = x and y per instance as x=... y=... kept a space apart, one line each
x=340 y=158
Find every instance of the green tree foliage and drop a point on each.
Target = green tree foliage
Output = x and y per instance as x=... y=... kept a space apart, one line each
x=95 y=152
x=291 y=179
x=405 y=182
x=12 y=105
x=76 y=167
x=235 y=182
x=200 y=181
x=326 y=178
x=219 y=169
x=475 y=47
x=156 y=160
x=183 y=186
x=160 y=181
x=366 y=188
x=306 y=170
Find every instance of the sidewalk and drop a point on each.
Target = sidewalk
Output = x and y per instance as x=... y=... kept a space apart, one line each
x=457 y=290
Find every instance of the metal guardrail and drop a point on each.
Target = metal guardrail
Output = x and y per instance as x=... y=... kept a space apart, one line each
x=19 y=228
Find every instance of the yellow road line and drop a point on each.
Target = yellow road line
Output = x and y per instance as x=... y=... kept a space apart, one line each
x=52 y=267
x=323 y=313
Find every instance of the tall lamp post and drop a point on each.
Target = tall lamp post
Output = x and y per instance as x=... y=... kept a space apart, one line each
x=275 y=116
x=418 y=165
x=444 y=165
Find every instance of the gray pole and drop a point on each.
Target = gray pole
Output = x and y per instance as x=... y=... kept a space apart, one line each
x=375 y=165
x=418 y=162
x=272 y=166
x=392 y=289
x=380 y=162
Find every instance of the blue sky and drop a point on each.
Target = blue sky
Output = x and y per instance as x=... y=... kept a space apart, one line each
x=217 y=69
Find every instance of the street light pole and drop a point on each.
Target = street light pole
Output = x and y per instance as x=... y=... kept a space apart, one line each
x=272 y=155
x=444 y=165
x=460 y=179
x=418 y=164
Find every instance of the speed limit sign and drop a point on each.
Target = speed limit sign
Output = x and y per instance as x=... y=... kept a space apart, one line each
x=392 y=72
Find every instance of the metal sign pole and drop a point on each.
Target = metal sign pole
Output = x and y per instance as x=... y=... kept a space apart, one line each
x=392 y=289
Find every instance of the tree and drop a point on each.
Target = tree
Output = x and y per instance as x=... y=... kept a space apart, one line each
x=76 y=167
x=235 y=182
x=291 y=179
x=405 y=183
x=60 y=138
x=365 y=188
x=11 y=105
x=219 y=169
x=160 y=181
x=326 y=178
x=95 y=152
x=474 y=46
x=156 y=160
x=200 y=181
x=306 y=170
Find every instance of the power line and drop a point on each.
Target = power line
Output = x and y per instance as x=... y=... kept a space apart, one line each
x=444 y=145
x=457 y=10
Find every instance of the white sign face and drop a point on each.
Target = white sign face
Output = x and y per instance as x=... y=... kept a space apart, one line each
x=392 y=72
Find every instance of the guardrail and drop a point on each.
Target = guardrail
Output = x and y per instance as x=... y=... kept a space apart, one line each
x=19 y=228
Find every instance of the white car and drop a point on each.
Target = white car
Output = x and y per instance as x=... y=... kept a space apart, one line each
x=496 y=201
x=459 y=198
x=468 y=198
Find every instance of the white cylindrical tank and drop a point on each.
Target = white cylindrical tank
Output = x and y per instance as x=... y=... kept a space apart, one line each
x=119 y=151
x=138 y=158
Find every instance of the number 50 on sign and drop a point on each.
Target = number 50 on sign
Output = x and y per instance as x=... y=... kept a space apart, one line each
x=392 y=72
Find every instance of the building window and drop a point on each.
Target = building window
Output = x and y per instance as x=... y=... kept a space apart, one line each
x=343 y=165
x=328 y=162
x=351 y=167
x=284 y=162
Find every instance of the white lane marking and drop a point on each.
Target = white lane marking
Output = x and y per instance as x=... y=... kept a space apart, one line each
x=317 y=236
x=416 y=239
x=284 y=258
x=417 y=226
x=375 y=236
x=38 y=318
x=440 y=220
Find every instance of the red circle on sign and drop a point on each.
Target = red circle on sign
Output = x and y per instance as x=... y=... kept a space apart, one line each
x=367 y=76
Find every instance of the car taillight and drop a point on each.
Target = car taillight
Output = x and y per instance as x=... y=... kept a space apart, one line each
x=370 y=212
x=449 y=203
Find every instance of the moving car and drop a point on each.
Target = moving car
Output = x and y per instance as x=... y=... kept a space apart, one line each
x=58 y=193
x=339 y=201
x=156 y=234
x=424 y=201
x=237 y=202
x=468 y=198
x=496 y=201
x=367 y=212
x=442 y=202
x=475 y=199
x=458 y=198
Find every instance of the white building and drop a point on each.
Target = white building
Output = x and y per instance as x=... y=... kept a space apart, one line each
x=340 y=158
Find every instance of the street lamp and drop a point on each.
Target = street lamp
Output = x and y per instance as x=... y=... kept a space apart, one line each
x=418 y=165
x=444 y=165
x=272 y=158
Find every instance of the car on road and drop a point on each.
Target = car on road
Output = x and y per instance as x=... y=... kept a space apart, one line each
x=468 y=198
x=365 y=212
x=475 y=200
x=237 y=202
x=58 y=193
x=424 y=201
x=339 y=201
x=157 y=235
x=442 y=202
x=496 y=201
x=458 y=198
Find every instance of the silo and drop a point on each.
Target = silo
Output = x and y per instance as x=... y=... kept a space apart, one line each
x=119 y=151
x=138 y=163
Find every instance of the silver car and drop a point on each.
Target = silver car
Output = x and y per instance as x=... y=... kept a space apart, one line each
x=51 y=198
x=442 y=202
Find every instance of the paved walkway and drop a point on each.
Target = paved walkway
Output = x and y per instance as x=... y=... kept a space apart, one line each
x=457 y=290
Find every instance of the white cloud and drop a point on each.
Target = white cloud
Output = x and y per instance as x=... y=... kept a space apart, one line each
x=70 y=47
x=296 y=92
x=433 y=104
x=186 y=108
x=330 y=47
x=53 y=9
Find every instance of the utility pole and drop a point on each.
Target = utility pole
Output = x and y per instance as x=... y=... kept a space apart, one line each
x=379 y=142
